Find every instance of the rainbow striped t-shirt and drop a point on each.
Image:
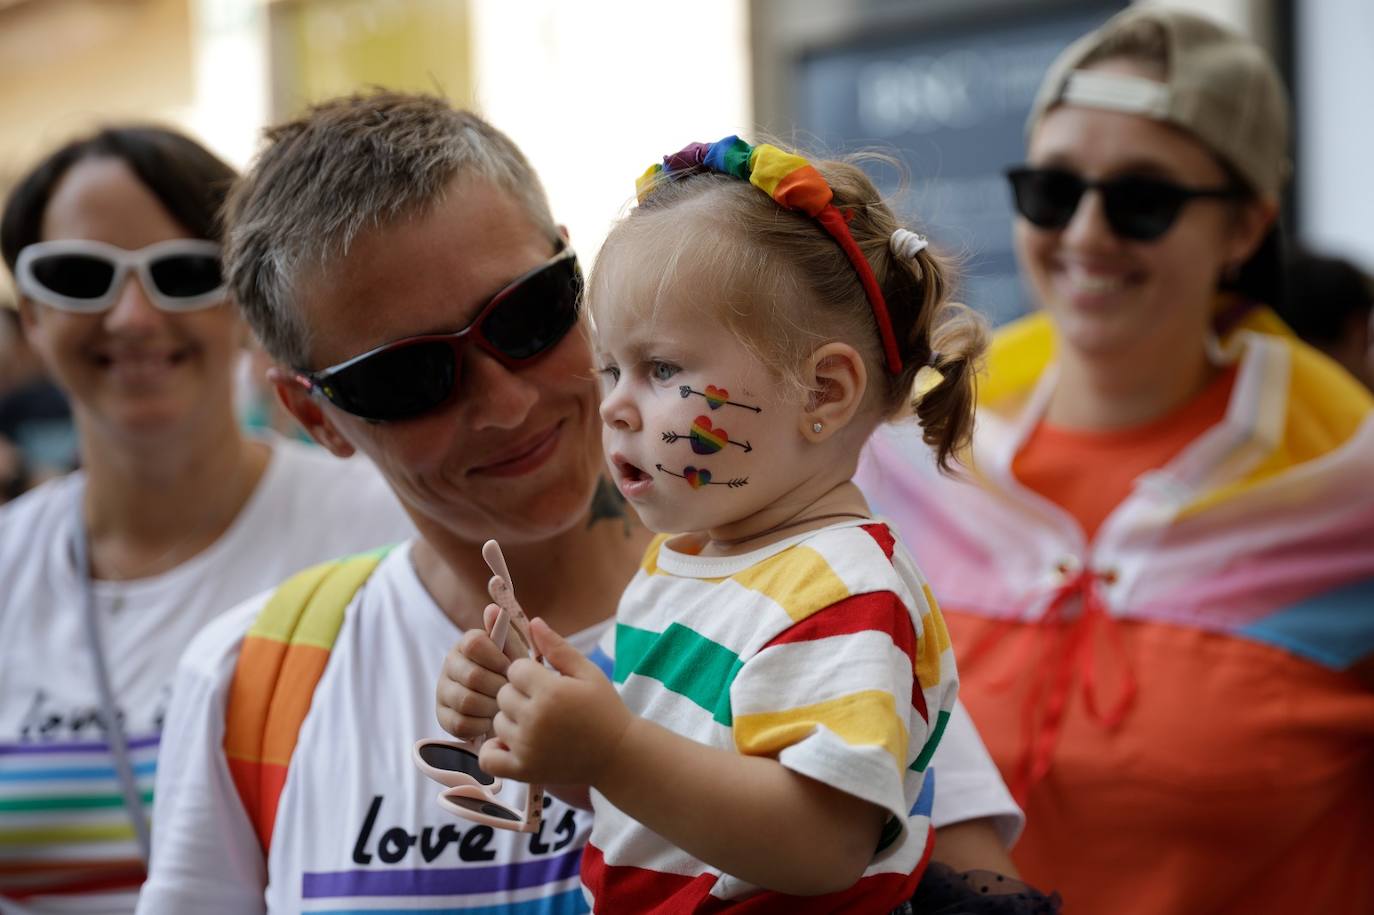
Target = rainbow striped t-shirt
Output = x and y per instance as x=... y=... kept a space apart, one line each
x=826 y=652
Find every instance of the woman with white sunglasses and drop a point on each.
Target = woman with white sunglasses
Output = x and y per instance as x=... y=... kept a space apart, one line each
x=106 y=574
x=1159 y=578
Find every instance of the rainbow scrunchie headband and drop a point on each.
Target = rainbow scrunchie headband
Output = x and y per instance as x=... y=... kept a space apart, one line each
x=794 y=184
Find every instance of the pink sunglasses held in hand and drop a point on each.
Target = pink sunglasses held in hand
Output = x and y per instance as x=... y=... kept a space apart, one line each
x=470 y=792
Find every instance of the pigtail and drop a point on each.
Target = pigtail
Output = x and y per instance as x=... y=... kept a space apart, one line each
x=941 y=342
x=945 y=409
x=944 y=344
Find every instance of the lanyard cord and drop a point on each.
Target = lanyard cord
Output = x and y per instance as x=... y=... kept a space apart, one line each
x=114 y=728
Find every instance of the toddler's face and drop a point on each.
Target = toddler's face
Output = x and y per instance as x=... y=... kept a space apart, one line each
x=698 y=433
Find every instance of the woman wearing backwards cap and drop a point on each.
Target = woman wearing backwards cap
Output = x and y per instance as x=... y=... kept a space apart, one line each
x=1160 y=572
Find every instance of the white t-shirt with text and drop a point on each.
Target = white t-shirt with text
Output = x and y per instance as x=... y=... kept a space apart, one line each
x=358 y=828
x=66 y=839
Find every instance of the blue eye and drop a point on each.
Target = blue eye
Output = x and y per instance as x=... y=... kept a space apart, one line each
x=611 y=372
x=662 y=371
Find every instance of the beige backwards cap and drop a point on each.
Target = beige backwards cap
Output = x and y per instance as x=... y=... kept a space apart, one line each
x=1219 y=86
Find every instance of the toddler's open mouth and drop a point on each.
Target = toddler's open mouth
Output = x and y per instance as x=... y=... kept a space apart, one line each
x=631 y=479
x=629 y=472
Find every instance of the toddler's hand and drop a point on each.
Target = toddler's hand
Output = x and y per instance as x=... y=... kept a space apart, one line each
x=560 y=728
x=474 y=672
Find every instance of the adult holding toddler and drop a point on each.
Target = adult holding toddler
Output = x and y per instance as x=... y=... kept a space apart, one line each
x=782 y=661
x=400 y=258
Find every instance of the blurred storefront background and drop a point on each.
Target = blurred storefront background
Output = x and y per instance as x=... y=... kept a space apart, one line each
x=948 y=83
x=591 y=91
x=945 y=85
x=595 y=90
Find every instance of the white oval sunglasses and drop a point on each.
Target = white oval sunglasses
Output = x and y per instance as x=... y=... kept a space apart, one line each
x=85 y=277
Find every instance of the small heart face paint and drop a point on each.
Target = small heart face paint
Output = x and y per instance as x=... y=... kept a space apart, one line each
x=716 y=397
x=705 y=439
x=697 y=477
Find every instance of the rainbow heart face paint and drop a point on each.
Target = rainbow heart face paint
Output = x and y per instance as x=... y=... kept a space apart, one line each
x=715 y=397
x=705 y=439
x=697 y=477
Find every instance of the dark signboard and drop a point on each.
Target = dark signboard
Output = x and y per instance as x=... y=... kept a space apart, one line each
x=949 y=99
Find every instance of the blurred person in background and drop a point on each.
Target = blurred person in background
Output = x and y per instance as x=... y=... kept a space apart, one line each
x=399 y=259
x=1158 y=577
x=1329 y=302
x=256 y=399
x=14 y=474
x=37 y=440
x=108 y=572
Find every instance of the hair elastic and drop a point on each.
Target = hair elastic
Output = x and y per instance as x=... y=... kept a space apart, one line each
x=794 y=184
x=906 y=244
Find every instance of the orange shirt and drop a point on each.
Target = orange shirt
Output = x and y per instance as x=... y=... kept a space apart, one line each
x=1241 y=783
x=1090 y=473
x=1235 y=596
x=1148 y=818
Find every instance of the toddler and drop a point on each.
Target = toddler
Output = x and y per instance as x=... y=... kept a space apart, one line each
x=782 y=673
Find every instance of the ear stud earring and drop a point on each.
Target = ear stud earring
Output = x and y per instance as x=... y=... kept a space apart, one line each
x=816 y=427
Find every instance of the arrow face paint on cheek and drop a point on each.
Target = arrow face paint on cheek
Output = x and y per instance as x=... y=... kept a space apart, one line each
x=705 y=438
x=715 y=397
x=697 y=477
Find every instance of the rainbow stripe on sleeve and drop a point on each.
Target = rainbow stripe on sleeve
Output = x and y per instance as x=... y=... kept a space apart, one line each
x=282 y=659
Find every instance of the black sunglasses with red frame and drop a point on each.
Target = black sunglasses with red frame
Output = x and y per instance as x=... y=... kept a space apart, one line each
x=411 y=376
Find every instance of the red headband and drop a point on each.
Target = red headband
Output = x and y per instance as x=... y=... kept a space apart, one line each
x=794 y=184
